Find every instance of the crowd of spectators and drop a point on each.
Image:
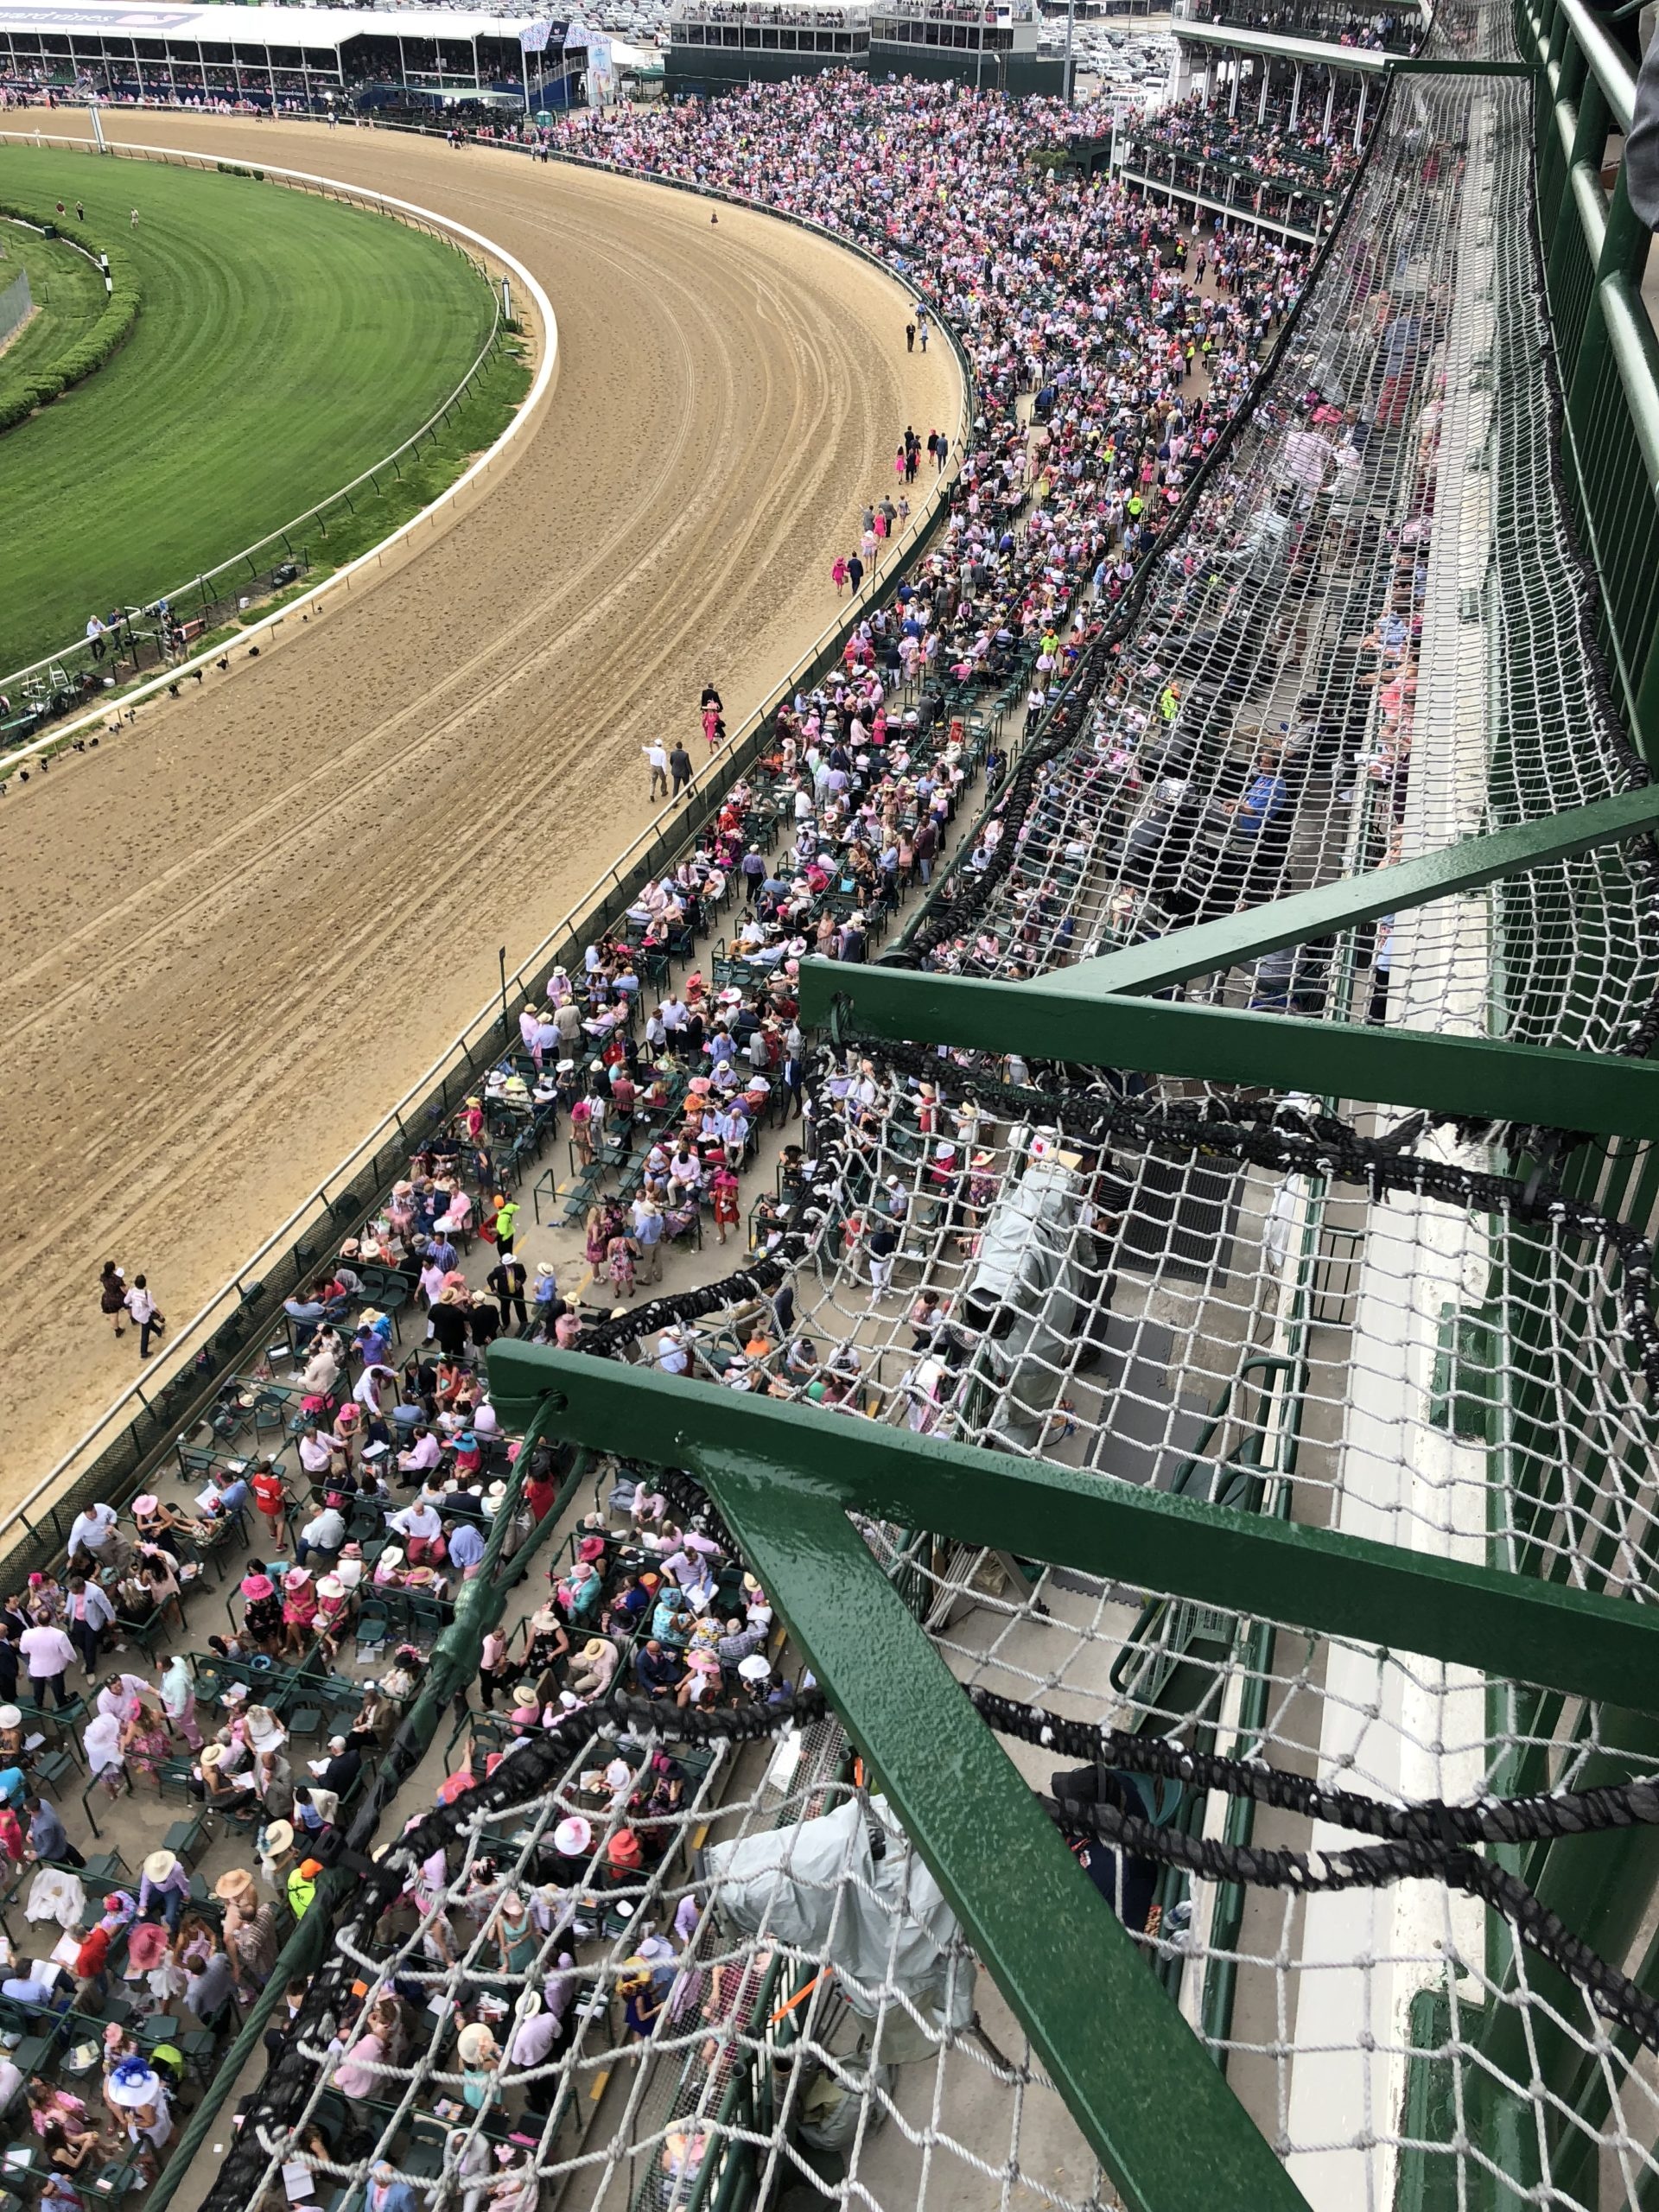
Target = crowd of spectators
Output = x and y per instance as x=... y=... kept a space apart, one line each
x=136 y=1970
x=1070 y=295
x=1075 y=292
x=1308 y=154
x=1390 y=32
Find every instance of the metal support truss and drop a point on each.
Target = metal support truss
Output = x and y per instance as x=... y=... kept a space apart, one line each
x=1089 y=1012
x=1450 y=873
x=1483 y=1079
x=1507 y=1624
x=786 y=1478
x=1121 y=2056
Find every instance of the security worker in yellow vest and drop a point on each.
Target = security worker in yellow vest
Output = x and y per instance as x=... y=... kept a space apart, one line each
x=303 y=1886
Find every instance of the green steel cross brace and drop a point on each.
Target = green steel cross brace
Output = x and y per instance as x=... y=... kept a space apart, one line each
x=1089 y=1012
x=1483 y=1079
x=1450 y=873
x=786 y=1477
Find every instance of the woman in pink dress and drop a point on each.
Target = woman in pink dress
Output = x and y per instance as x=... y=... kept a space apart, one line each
x=299 y=1608
x=621 y=1255
x=144 y=1739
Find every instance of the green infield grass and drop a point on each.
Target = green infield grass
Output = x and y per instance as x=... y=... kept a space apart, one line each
x=68 y=296
x=285 y=344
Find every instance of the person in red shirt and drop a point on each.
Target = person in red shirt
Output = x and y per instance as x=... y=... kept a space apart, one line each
x=91 y=1963
x=540 y=1488
x=271 y=1498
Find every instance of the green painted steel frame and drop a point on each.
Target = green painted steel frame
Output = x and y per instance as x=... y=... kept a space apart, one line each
x=1457 y=869
x=787 y=1477
x=1484 y=1079
x=1059 y=1957
x=1089 y=1012
x=1384 y=1594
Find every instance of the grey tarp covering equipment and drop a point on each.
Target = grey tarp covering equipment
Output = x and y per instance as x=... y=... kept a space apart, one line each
x=888 y=1929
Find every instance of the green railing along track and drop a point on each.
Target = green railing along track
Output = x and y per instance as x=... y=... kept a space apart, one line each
x=1595 y=252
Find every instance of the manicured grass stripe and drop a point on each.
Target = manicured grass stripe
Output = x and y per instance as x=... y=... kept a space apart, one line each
x=68 y=295
x=285 y=343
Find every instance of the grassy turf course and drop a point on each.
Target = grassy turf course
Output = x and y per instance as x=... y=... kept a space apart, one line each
x=285 y=344
x=68 y=295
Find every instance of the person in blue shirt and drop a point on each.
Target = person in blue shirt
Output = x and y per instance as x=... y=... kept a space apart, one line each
x=386 y=2194
x=1265 y=797
x=47 y=1837
x=234 y=1492
x=466 y=1547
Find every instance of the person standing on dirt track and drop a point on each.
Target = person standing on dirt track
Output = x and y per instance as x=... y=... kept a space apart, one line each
x=680 y=761
x=112 y=1295
x=657 y=754
x=145 y=1313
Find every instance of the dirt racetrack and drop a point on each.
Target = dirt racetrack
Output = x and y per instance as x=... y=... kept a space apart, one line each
x=235 y=936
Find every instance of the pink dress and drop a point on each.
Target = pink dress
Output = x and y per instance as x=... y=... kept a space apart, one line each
x=618 y=1263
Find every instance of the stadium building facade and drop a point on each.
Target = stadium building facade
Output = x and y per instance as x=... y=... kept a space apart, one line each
x=312 y=57
x=716 y=43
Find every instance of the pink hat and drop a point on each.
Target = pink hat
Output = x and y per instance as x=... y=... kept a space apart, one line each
x=257 y=1585
x=147 y=1503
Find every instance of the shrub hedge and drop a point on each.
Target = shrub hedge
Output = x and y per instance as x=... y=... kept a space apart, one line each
x=112 y=329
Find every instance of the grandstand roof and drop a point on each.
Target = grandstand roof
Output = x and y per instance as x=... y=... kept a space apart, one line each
x=1244 y=40
x=256 y=26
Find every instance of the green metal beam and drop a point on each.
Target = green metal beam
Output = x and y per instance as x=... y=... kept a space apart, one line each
x=1118 y=2051
x=1386 y=1594
x=1483 y=1077
x=1236 y=939
x=1609 y=65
